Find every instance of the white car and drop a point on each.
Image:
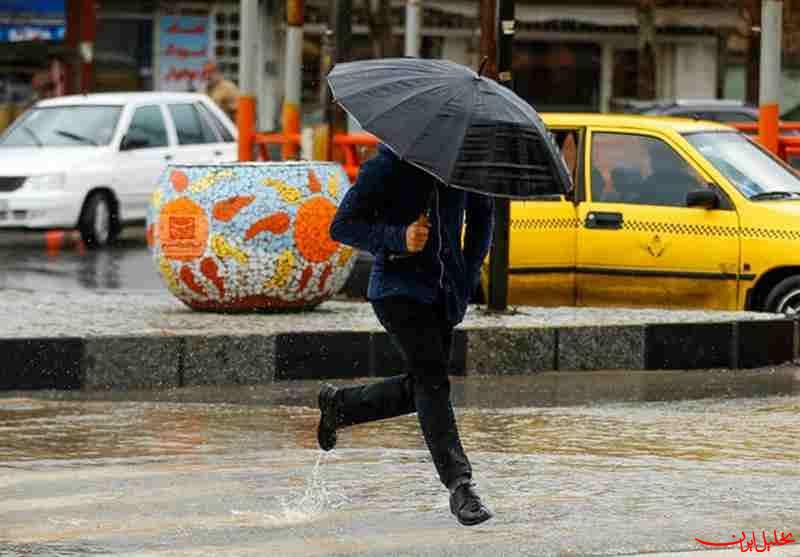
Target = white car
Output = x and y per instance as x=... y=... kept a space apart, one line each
x=91 y=162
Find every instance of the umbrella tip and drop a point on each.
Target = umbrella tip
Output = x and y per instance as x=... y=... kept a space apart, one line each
x=483 y=65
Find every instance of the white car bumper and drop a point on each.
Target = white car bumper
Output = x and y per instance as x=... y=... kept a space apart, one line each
x=30 y=209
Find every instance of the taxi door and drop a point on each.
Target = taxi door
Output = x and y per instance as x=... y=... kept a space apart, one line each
x=638 y=242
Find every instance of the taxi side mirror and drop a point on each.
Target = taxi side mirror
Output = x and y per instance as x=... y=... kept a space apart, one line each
x=706 y=198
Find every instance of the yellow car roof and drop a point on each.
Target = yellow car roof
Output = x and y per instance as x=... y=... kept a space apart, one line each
x=631 y=121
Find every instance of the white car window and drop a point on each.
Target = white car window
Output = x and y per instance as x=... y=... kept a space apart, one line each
x=222 y=130
x=147 y=128
x=64 y=126
x=191 y=128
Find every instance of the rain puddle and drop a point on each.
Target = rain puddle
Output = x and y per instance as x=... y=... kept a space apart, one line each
x=572 y=464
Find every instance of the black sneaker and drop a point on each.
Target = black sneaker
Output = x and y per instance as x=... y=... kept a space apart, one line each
x=467 y=506
x=328 y=409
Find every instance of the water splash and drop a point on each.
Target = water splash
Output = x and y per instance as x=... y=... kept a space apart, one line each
x=309 y=504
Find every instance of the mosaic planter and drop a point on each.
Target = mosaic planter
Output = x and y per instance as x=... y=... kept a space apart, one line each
x=249 y=236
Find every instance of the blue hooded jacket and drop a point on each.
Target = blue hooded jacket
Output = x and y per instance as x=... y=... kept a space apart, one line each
x=390 y=194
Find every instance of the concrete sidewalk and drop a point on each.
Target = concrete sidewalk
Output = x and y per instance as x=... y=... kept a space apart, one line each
x=150 y=340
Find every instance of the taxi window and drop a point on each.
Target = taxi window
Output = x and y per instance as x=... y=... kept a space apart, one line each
x=641 y=170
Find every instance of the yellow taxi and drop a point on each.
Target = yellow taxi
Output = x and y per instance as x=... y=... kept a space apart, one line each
x=664 y=212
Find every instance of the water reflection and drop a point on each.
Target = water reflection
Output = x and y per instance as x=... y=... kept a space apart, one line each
x=607 y=414
x=645 y=467
x=58 y=261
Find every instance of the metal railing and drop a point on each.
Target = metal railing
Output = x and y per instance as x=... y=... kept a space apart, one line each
x=788 y=139
x=350 y=149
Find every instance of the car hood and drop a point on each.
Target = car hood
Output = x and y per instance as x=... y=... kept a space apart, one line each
x=784 y=207
x=31 y=161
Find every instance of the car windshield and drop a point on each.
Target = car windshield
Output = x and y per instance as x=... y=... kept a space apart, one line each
x=61 y=126
x=754 y=172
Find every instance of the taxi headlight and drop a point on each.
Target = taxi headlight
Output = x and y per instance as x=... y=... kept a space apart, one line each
x=45 y=182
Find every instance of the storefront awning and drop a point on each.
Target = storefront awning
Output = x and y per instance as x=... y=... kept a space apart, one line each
x=603 y=16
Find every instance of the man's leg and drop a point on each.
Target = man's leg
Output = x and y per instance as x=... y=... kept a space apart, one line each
x=418 y=331
x=425 y=339
x=389 y=398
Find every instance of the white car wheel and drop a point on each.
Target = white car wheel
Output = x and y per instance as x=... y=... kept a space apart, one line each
x=96 y=223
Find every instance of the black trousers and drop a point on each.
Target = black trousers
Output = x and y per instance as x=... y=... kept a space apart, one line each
x=424 y=338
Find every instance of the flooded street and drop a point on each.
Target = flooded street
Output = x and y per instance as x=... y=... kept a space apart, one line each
x=58 y=261
x=571 y=463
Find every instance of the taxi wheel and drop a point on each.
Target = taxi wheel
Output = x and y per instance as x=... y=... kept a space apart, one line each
x=97 y=222
x=785 y=297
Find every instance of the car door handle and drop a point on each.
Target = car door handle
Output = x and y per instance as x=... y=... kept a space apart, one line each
x=217 y=153
x=607 y=221
x=167 y=157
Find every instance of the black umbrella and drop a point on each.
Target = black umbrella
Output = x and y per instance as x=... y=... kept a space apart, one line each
x=465 y=129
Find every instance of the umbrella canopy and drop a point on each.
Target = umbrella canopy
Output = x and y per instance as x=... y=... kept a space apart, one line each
x=466 y=130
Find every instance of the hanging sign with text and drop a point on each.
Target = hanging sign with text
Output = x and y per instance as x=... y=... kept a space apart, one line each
x=184 y=48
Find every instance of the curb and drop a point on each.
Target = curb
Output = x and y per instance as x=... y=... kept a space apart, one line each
x=150 y=361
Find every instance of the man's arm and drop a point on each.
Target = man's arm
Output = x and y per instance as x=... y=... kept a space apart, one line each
x=478 y=234
x=356 y=222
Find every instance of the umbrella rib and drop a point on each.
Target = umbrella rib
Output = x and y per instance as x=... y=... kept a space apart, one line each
x=422 y=132
x=415 y=93
x=377 y=85
x=514 y=101
x=463 y=134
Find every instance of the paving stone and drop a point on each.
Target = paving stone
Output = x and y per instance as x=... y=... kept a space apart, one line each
x=510 y=351
x=322 y=355
x=40 y=363
x=594 y=348
x=691 y=346
x=765 y=343
x=229 y=360
x=132 y=362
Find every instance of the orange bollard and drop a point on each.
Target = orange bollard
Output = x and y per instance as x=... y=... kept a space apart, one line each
x=54 y=240
x=768 y=126
x=291 y=126
x=246 y=122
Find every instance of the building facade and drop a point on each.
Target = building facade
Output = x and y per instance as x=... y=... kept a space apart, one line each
x=573 y=55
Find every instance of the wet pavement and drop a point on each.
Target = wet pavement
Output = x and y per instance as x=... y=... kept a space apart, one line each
x=58 y=261
x=588 y=464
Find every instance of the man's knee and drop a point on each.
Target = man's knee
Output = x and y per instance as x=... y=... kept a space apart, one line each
x=432 y=380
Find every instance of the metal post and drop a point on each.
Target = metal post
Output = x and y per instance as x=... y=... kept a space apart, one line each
x=753 y=53
x=248 y=46
x=488 y=46
x=606 y=77
x=336 y=47
x=88 y=34
x=342 y=25
x=769 y=91
x=270 y=84
x=498 y=260
x=73 y=16
x=246 y=123
x=323 y=150
x=413 y=24
x=80 y=37
x=293 y=73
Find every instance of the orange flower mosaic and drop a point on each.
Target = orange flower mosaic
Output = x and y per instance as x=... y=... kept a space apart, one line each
x=251 y=236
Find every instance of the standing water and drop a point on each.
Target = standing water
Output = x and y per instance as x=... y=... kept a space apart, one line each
x=571 y=463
